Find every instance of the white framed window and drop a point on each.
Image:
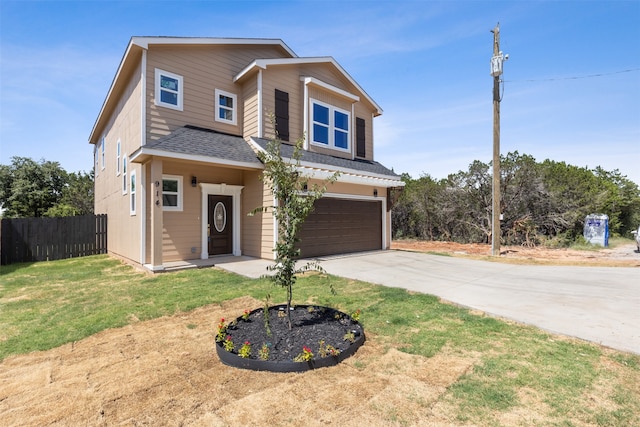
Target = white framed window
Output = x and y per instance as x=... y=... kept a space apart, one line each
x=118 y=158
x=95 y=157
x=124 y=174
x=103 y=143
x=330 y=126
x=169 y=90
x=132 y=193
x=226 y=107
x=171 y=193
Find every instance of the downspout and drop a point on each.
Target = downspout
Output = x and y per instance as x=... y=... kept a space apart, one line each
x=260 y=112
x=305 y=118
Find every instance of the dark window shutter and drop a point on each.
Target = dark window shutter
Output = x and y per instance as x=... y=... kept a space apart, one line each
x=282 y=115
x=360 y=140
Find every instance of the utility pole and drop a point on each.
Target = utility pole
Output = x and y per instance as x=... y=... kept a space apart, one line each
x=496 y=70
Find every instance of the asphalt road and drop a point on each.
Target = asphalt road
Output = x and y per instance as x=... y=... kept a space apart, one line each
x=597 y=304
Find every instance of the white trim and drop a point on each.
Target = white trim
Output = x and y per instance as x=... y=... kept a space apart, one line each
x=260 y=101
x=144 y=152
x=143 y=99
x=144 y=42
x=158 y=89
x=143 y=213
x=234 y=109
x=305 y=125
x=180 y=193
x=220 y=190
x=329 y=87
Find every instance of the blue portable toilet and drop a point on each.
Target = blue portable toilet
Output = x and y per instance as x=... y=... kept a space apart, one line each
x=596 y=229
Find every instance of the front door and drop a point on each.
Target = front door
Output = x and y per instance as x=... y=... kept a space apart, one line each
x=220 y=227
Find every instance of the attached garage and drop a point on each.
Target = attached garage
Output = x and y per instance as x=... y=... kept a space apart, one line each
x=339 y=226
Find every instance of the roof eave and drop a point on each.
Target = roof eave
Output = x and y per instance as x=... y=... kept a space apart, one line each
x=143 y=154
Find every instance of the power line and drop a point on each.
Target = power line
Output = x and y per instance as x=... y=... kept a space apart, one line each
x=552 y=79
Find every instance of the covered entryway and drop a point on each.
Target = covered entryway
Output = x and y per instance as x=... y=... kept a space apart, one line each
x=339 y=226
x=220 y=219
x=220 y=225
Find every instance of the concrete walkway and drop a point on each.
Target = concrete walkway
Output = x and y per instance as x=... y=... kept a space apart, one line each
x=598 y=304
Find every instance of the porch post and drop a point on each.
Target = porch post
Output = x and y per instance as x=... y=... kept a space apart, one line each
x=156 y=215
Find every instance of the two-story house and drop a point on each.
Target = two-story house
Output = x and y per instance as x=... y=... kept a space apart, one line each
x=175 y=145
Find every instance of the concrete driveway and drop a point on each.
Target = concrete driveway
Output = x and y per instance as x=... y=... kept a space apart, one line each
x=598 y=304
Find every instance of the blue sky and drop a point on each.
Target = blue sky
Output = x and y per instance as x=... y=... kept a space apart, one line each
x=571 y=91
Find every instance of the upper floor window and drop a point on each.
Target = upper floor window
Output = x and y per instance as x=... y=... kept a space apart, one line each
x=171 y=193
x=118 y=158
x=169 y=89
x=102 y=148
x=226 y=110
x=330 y=126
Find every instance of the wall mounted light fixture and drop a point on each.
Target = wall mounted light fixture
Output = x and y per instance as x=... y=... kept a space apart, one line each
x=194 y=181
x=375 y=192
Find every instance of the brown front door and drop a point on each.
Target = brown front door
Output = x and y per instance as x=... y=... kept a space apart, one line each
x=220 y=229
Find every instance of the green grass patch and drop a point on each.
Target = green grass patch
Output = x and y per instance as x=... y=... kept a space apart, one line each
x=45 y=305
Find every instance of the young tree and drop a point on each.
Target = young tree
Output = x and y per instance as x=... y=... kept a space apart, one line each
x=292 y=204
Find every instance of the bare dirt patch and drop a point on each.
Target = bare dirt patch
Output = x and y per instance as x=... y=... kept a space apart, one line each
x=165 y=372
x=620 y=256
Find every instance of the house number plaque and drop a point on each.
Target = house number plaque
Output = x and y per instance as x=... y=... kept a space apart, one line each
x=219 y=217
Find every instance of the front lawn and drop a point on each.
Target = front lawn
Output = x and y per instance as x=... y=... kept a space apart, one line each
x=517 y=368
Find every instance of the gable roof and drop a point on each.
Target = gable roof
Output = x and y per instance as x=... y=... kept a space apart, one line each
x=133 y=53
x=202 y=145
x=265 y=63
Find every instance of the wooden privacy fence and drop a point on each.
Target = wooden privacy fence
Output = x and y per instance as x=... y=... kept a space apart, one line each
x=47 y=239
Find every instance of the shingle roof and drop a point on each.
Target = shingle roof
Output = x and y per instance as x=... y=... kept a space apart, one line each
x=195 y=141
x=205 y=144
x=365 y=166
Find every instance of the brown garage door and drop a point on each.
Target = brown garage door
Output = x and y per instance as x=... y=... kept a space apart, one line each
x=339 y=226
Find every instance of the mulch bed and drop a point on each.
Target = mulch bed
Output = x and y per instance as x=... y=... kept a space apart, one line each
x=326 y=332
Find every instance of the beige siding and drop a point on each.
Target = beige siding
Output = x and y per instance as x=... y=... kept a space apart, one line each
x=123 y=125
x=257 y=230
x=204 y=69
x=250 y=95
x=287 y=79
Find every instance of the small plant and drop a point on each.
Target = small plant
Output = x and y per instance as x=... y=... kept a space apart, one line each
x=222 y=330
x=228 y=344
x=263 y=353
x=356 y=315
x=282 y=313
x=326 y=350
x=349 y=336
x=245 y=350
x=337 y=316
x=265 y=313
x=245 y=315
x=311 y=309
x=305 y=356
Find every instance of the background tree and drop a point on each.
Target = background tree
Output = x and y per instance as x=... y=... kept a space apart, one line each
x=543 y=202
x=34 y=189
x=292 y=205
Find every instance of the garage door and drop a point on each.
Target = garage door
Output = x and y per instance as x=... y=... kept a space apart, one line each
x=339 y=226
